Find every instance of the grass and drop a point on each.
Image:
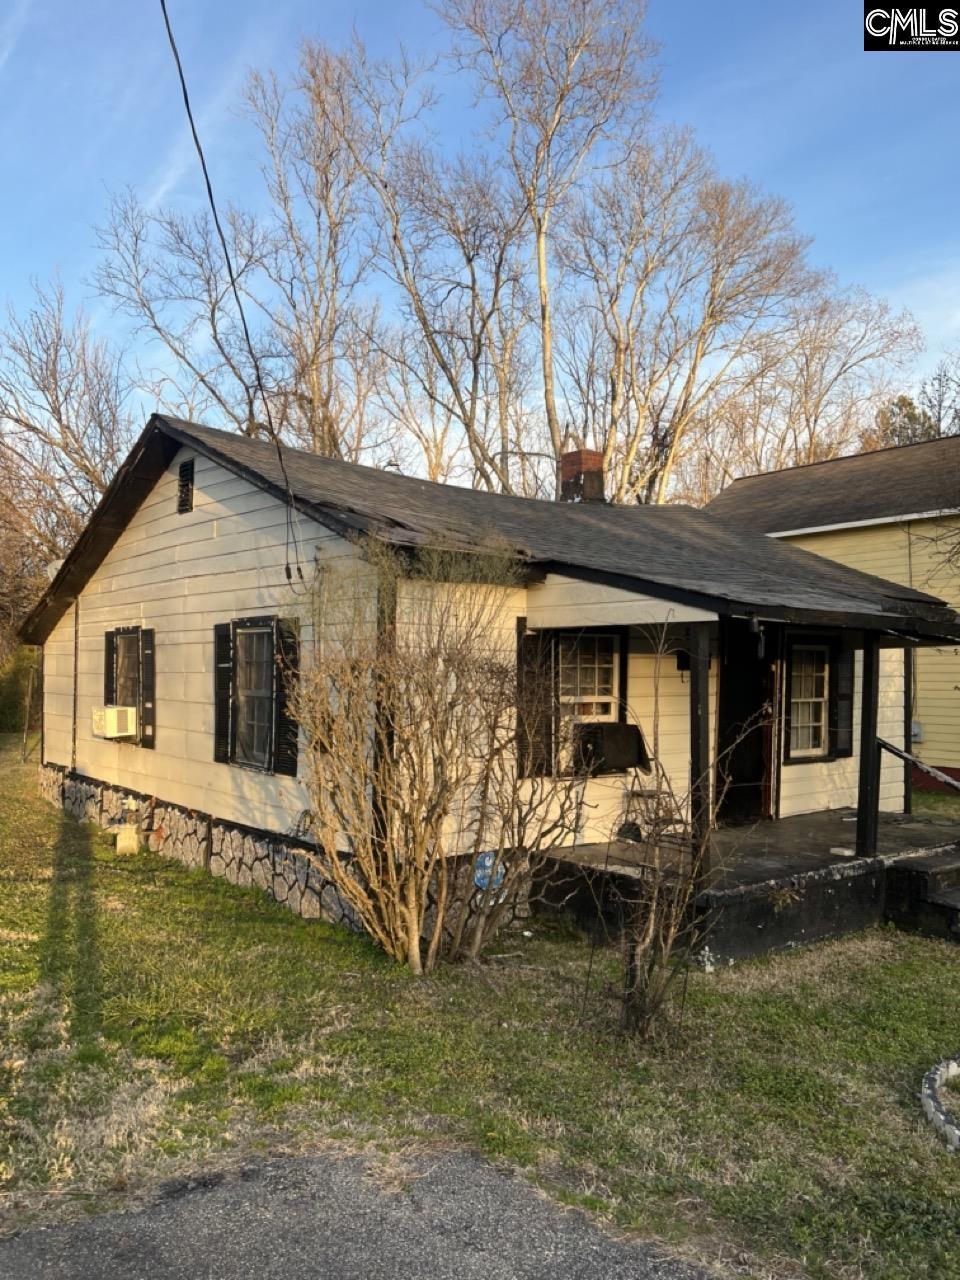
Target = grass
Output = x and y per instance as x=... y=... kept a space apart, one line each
x=937 y=804
x=155 y=1020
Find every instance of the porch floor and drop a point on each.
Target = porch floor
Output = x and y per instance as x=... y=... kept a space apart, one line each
x=781 y=848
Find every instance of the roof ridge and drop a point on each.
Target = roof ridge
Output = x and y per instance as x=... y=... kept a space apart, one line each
x=843 y=457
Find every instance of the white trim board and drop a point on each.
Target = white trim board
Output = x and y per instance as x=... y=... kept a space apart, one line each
x=862 y=524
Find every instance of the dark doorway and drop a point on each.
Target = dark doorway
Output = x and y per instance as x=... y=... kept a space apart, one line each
x=746 y=721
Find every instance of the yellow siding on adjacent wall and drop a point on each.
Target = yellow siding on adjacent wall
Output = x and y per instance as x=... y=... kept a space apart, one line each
x=912 y=553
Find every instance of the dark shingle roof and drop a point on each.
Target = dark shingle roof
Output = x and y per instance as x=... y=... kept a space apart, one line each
x=677 y=552
x=914 y=479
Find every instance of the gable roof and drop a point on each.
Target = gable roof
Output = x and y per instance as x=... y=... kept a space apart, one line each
x=676 y=553
x=914 y=479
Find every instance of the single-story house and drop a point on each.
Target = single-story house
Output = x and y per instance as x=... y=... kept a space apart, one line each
x=894 y=513
x=177 y=599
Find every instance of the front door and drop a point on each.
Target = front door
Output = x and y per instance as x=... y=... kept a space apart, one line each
x=746 y=721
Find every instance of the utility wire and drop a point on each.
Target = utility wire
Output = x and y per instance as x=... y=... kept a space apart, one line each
x=291 y=532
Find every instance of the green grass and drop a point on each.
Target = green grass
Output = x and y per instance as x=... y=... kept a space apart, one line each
x=155 y=1020
x=937 y=804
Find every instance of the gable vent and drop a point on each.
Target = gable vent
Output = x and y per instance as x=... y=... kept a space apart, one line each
x=185 y=487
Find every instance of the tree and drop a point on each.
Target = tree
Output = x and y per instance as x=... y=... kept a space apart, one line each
x=808 y=392
x=568 y=83
x=686 y=277
x=899 y=421
x=65 y=422
x=409 y=712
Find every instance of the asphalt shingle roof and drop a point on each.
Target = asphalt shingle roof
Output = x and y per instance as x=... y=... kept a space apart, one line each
x=676 y=552
x=914 y=479
x=673 y=546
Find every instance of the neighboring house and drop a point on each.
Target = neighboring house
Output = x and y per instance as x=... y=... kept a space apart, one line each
x=895 y=513
x=176 y=602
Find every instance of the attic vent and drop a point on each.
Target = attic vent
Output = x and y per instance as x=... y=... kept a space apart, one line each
x=185 y=487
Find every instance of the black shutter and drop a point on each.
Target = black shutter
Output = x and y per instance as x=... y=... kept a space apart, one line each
x=222 y=690
x=185 y=488
x=148 y=689
x=286 y=730
x=535 y=702
x=844 y=686
x=110 y=669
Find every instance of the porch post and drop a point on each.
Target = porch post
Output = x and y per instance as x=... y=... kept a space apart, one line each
x=700 y=743
x=868 y=793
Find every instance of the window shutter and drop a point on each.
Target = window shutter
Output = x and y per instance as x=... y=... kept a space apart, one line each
x=535 y=702
x=148 y=689
x=286 y=730
x=185 y=487
x=110 y=669
x=844 y=684
x=222 y=690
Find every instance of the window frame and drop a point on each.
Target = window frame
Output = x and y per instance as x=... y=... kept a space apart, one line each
x=246 y=626
x=617 y=694
x=835 y=650
x=283 y=753
x=146 y=676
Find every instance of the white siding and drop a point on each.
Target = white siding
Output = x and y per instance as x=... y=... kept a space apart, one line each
x=182 y=574
x=560 y=601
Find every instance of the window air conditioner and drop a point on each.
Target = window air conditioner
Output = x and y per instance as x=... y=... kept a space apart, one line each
x=114 y=722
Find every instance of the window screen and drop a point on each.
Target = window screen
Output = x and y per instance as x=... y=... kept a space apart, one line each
x=254 y=696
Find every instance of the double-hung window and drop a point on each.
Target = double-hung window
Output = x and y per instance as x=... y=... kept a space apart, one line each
x=254 y=697
x=129 y=678
x=255 y=660
x=809 y=701
x=819 y=697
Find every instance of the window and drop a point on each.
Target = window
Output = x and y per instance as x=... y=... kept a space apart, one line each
x=129 y=677
x=588 y=676
x=128 y=669
x=254 y=661
x=185 y=487
x=820 y=690
x=254 y=696
x=809 y=701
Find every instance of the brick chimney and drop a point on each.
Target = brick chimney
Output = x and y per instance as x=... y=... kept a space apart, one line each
x=581 y=476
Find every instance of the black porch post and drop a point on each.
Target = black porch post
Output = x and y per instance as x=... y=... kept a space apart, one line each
x=868 y=794
x=700 y=744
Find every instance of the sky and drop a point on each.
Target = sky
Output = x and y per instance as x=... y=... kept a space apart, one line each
x=863 y=146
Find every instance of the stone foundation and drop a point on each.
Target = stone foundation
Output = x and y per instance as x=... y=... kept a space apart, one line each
x=289 y=870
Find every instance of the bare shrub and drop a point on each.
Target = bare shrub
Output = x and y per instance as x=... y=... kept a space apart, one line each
x=422 y=813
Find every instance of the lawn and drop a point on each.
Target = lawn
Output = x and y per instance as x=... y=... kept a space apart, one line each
x=154 y=1021
x=937 y=804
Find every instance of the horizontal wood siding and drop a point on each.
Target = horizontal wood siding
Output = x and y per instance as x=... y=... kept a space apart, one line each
x=181 y=574
x=808 y=786
x=912 y=553
x=560 y=601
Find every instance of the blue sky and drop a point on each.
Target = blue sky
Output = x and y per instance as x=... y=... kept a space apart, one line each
x=862 y=145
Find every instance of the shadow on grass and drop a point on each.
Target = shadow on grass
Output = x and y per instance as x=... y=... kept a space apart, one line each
x=69 y=956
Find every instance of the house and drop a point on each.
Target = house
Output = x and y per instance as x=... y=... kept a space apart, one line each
x=894 y=513
x=781 y=671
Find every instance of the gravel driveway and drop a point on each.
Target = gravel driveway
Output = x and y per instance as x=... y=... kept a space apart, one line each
x=447 y=1215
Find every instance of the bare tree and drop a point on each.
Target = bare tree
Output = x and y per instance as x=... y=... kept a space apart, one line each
x=811 y=391
x=685 y=279
x=568 y=83
x=65 y=421
x=408 y=708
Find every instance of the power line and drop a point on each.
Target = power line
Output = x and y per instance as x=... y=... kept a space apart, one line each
x=291 y=533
